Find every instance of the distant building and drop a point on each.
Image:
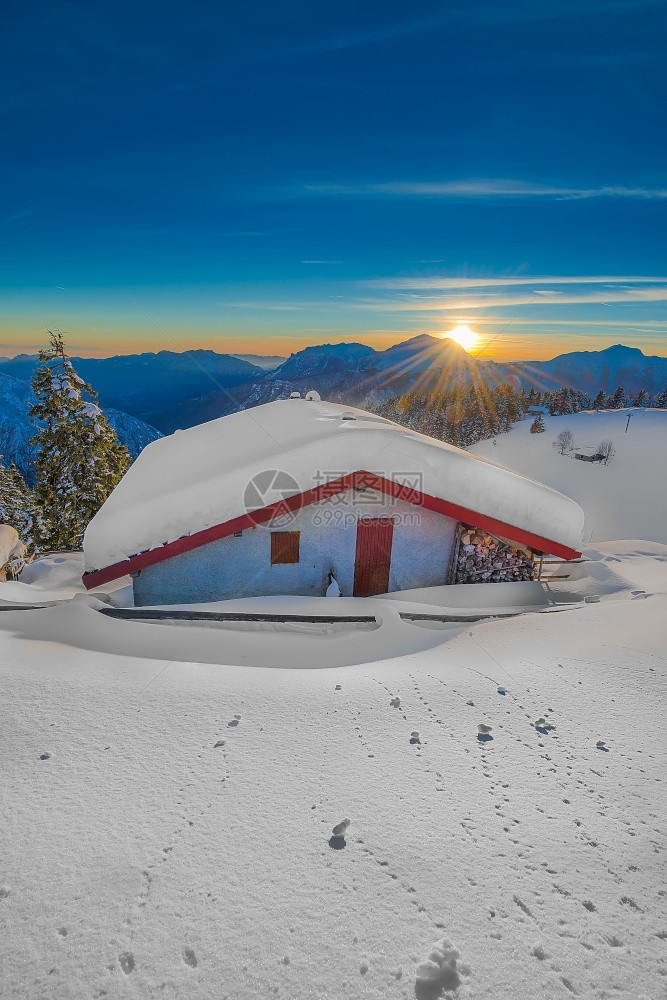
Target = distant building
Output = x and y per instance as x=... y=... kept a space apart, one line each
x=534 y=410
x=588 y=455
x=280 y=498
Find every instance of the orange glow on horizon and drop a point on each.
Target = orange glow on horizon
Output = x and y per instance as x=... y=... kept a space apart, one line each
x=89 y=339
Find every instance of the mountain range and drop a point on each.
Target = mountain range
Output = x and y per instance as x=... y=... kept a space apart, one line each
x=169 y=390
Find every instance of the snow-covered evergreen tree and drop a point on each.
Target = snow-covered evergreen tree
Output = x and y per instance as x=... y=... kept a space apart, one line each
x=17 y=504
x=598 y=402
x=537 y=426
x=79 y=460
x=618 y=400
x=661 y=400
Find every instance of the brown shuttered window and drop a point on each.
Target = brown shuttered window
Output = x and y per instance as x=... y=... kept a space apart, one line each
x=284 y=547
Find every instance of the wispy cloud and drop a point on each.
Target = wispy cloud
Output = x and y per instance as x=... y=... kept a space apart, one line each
x=483 y=188
x=354 y=39
x=492 y=297
x=437 y=303
x=449 y=15
x=536 y=280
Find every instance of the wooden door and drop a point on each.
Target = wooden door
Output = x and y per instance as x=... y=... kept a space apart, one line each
x=373 y=556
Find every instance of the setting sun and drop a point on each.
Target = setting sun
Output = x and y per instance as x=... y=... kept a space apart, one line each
x=464 y=336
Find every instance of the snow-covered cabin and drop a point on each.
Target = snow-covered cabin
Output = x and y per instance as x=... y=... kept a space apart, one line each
x=281 y=498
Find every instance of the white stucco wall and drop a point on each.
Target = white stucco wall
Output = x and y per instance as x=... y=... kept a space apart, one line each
x=241 y=566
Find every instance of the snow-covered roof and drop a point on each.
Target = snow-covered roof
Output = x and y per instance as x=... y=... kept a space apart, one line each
x=195 y=479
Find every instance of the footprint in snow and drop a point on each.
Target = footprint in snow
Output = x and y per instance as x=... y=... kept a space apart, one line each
x=190 y=958
x=502 y=691
x=45 y=756
x=235 y=721
x=395 y=702
x=484 y=733
x=126 y=962
x=601 y=745
x=414 y=739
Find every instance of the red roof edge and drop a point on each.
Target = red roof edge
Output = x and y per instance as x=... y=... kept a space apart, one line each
x=369 y=480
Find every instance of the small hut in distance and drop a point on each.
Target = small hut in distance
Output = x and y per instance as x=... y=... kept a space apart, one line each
x=587 y=454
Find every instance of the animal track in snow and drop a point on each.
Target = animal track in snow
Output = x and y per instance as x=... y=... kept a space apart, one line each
x=522 y=906
x=234 y=722
x=384 y=866
x=190 y=958
x=126 y=960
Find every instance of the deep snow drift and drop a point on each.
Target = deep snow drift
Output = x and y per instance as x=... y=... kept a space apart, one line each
x=620 y=500
x=167 y=823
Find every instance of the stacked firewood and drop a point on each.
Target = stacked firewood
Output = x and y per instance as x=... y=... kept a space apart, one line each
x=485 y=558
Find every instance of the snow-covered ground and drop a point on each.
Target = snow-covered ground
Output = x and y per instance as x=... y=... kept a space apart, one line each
x=621 y=500
x=54 y=578
x=168 y=812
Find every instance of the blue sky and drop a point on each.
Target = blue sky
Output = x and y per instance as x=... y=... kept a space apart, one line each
x=267 y=176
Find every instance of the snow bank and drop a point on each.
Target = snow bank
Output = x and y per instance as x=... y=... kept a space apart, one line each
x=196 y=478
x=55 y=577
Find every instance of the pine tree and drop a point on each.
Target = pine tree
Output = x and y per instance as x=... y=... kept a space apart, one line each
x=79 y=460
x=598 y=402
x=17 y=504
x=661 y=400
x=537 y=426
x=618 y=400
